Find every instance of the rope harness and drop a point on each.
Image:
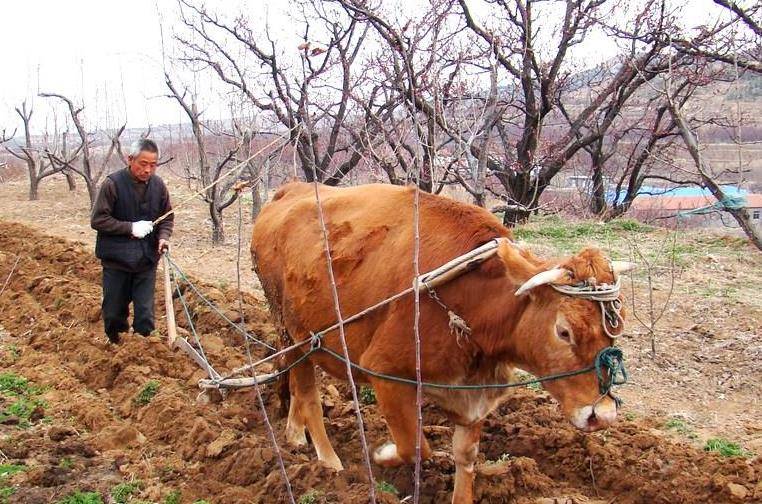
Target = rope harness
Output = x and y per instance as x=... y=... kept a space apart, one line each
x=608 y=364
x=607 y=297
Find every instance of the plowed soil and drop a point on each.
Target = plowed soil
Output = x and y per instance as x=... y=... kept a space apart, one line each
x=220 y=450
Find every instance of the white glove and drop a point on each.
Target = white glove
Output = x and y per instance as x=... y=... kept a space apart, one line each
x=141 y=229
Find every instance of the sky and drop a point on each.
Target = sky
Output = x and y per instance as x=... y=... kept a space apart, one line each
x=109 y=54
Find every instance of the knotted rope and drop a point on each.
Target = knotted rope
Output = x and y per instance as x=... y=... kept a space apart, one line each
x=607 y=297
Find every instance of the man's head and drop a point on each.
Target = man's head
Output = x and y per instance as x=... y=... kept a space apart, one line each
x=143 y=157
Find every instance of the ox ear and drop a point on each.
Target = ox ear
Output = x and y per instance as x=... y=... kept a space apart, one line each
x=622 y=266
x=550 y=276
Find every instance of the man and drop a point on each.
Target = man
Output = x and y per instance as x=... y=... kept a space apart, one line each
x=128 y=244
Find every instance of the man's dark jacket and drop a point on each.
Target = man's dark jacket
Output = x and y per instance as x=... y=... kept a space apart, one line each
x=121 y=201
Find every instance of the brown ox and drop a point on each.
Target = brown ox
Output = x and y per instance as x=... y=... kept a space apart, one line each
x=371 y=238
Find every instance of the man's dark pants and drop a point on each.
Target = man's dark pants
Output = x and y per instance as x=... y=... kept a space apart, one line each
x=119 y=289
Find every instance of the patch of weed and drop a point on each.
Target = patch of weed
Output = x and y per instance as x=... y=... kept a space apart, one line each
x=123 y=491
x=66 y=463
x=725 y=448
x=14 y=384
x=5 y=494
x=174 y=497
x=7 y=470
x=13 y=352
x=22 y=396
x=523 y=376
x=310 y=497
x=385 y=486
x=367 y=395
x=681 y=427
x=147 y=393
x=82 y=498
x=10 y=469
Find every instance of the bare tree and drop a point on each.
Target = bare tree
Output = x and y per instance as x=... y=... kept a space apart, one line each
x=530 y=146
x=218 y=196
x=734 y=40
x=305 y=90
x=710 y=180
x=38 y=164
x=88 y=167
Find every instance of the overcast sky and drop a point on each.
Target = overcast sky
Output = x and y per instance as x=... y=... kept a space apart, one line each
x=109 y=52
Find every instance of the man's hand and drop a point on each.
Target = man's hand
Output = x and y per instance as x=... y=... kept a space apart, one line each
x=141 y=229
x=163 y=246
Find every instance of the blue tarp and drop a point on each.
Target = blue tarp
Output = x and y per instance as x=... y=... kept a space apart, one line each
x=730 y=191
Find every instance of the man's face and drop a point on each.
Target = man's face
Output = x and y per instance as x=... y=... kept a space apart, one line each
x=143 y=165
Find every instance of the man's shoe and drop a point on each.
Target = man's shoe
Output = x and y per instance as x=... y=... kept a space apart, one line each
x=113 y=338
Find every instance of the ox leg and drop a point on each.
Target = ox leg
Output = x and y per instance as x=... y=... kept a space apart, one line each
x=465 y=448
x=397 y=404
x=306 y=410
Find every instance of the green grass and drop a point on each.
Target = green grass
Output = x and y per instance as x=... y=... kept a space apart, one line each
x=23 y=398
x=82 y=498
x=5 y=494
x=385 y=486
x=630 y=416
x=522 y=376
x=367 y=395
x=174 y=497
x=7 y=470
x=559 y=229
x=725 y=448
x=14 y=384
x=310 y=497
x=149 y=390
x=201 y=501
x=13 y=352
x=66 y=463
x=10 y=469
x=121 y=493
x=681 y=427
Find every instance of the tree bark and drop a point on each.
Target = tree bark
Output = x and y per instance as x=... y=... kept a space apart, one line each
x=218 y=230
x=598 y=191
x=34 y=184
x=71 y=181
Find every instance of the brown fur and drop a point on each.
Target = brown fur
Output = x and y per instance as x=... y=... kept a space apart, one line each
x=371 y=238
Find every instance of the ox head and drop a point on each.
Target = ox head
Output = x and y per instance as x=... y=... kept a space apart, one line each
x=567 y=332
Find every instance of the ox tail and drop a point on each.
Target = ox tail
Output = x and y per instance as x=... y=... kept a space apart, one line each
x=284 y=392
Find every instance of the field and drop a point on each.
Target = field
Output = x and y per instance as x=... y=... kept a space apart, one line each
x=80 y=416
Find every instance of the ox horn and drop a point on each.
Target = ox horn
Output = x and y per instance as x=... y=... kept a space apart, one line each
x=622 y=266
x=546 y=277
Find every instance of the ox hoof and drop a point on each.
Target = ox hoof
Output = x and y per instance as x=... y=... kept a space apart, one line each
x=387 y=456
x=295 y=436
x=333 y=462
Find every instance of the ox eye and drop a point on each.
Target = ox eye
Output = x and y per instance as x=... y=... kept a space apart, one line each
x=564 y=334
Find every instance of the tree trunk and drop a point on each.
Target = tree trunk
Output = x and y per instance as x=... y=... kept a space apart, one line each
x=598 y=191
x=218 y=231
x=515 y=215
x=256 y=201
x=70 y=180
x=92 y=191
x=34 y=184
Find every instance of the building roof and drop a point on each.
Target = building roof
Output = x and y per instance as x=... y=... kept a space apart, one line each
x=677 y=203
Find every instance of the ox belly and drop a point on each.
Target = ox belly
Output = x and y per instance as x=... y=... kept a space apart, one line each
x=465 y=407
